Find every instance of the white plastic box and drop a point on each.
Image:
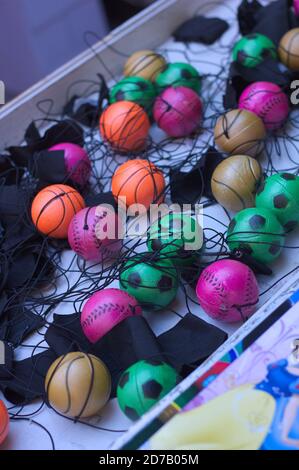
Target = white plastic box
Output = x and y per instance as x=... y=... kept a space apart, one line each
x=150 y=29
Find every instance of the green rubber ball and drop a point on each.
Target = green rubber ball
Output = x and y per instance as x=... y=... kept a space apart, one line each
x=258 y=232
x=143 y=384
x=178 y=237
x=153 y=281
x=179 y=74
x=135 y=89
x=253 y=49
x=280 y=194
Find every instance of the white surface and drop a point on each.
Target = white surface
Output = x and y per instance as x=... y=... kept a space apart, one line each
x=66 y=434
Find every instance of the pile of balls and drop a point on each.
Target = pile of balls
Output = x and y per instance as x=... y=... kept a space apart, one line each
x=151 y=88
x=78 y=385
x=266 y=209
x=227 y=289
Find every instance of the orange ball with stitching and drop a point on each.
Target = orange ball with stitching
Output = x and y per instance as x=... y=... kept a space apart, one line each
x=140 y=181
x=53 y=209
x=125 y=126
x=4 y=422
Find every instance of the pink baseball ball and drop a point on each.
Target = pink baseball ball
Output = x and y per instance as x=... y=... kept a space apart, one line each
x=93 y=233
x=76 y=160
x=227 y=290
x=178 y=111
x=104 y=310
x=296 y=7
x=268 y=101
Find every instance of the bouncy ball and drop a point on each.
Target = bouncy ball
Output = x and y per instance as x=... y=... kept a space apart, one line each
x=143 y=384
x=125 y=126
x=280 y=194
x=235 y=181
x=240 y=132
x=152 y=280
x=76 y=160
x=253 y=49
x=178 y=111
x=4 y=422
x=53 y=209
x=139 y=182
x=104 y=310
x=176 y=236
x=93 y=234
x=179 y=74
x=267 y=101
x=257 y=232
x=78 y=385
x=145 y=64
x=288 y=49
x=134 y=89
x=227 y=290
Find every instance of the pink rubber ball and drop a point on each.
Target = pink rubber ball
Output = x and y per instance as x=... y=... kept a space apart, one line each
x=104 y=310
x=267 y=101
x=93 y=234
x=76 y=160
x=296 y=7
x=178 y=111
x=227 y=290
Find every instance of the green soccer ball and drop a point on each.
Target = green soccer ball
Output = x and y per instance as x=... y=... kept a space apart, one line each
x=253 y=49
x=143 y=384
x=258 y=232
x=152 y=280
x=280 y=194
x=178 y=237
x=179 y=74
x=135 y=89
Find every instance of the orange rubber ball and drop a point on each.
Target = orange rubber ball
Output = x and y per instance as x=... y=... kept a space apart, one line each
x=125 y=125
x=53 y=209
x=140 y=182
x=4 y=422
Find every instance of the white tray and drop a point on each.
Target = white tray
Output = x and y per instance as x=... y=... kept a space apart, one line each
x=150 y=29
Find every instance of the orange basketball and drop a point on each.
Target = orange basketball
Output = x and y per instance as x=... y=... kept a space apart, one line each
x=4 y=422
x=125 y=126
x=140 y=181
x=53 y=209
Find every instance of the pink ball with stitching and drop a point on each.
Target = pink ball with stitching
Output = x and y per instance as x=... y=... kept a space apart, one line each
x=178 y=111
x=228 y=291
x=93 y=234
x=104 y=310
x=268 y=101
x=76 y=160
x=296 y=7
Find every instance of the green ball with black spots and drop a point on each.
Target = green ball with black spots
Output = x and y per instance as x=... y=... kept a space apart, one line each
x=179 y=74
x=178 y=237
x=143 y=384
x=257 y=232
x=152 y=280
x=134 y=89
x=253 y=49
x=280 y=194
